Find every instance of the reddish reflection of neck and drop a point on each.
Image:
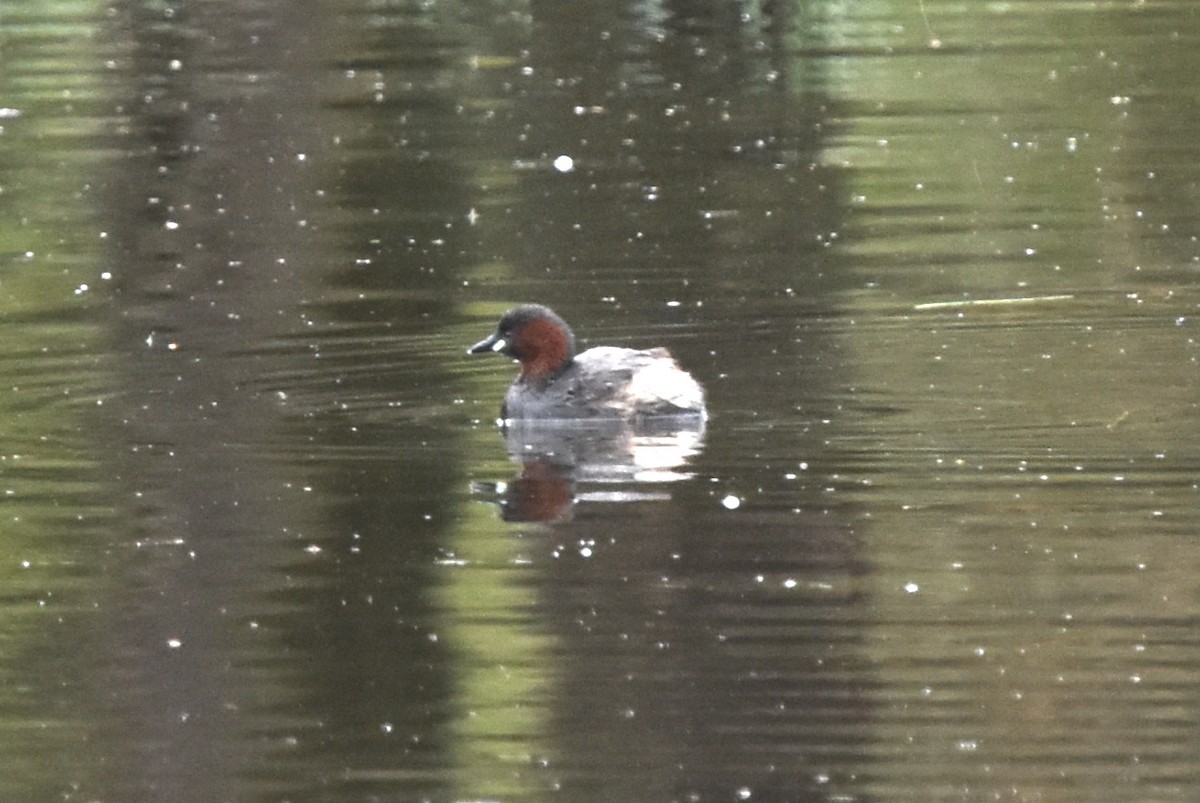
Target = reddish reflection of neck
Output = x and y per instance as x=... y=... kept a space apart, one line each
x=544 y=492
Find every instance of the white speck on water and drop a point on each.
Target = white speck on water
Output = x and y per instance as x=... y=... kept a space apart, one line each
x=174 y=643
x=731 y=502
x=912 y=588
x=744 y=793
x=564 y=164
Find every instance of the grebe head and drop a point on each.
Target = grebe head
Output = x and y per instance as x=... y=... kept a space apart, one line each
x=534 y=336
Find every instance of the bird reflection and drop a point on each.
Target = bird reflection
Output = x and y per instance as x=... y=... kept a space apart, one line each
x=606 y=461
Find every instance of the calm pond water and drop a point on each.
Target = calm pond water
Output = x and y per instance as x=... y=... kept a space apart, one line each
x=936 y=263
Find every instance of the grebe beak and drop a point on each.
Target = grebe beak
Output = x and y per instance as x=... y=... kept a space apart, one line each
x=493 y=343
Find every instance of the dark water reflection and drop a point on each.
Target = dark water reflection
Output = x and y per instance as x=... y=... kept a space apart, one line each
x=936 y=265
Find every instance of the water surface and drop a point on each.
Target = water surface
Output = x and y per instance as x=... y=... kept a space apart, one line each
x=936 y=265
